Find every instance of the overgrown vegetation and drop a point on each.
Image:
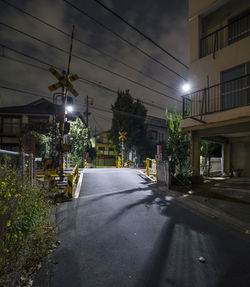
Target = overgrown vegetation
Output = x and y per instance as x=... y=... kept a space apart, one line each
x=26 y=233
x=43 y=133
x=178 y=148
x=79 y=139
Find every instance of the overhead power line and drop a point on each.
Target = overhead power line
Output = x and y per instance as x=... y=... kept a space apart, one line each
x=83 y=80
x=123 y=39
x=88 y=45
x=89 y=62
x=141 y=33
x=42 y=96
x=24 y=92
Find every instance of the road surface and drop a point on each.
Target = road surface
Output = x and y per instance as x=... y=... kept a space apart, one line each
x=121 y=232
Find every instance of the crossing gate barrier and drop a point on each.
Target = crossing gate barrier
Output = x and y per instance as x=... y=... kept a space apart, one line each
x=151 y=168
x=51 y=176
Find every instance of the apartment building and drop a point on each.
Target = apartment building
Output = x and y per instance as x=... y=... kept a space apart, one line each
x=218 y=107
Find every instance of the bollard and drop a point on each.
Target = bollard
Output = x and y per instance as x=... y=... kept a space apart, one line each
x=147 y=166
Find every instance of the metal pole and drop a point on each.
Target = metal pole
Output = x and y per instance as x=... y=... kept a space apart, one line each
x=87 y=111
x=31 y=169
x=23 y=167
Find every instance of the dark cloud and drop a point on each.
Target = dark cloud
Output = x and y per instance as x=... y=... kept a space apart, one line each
x=164 y=21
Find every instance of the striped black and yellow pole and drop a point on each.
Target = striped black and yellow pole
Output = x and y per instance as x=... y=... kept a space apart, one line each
x=122 y=164
x=64 y=105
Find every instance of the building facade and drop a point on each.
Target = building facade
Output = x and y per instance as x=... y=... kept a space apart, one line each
x=14 y=119
x=157 y=130
x=218 y=109
x=105 y=155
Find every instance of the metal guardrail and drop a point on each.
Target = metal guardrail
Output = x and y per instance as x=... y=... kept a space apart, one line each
x=227 y=35
x=151 y=168
x=220 y=97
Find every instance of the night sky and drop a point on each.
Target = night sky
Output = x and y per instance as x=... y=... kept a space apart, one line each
x=165 y=21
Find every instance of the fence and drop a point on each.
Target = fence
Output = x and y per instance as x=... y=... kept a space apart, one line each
x=227 y=35
x=220 y=97
x=27 y=166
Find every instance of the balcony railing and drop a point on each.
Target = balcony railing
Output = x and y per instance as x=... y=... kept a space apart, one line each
x=227 y=35
x=217 y=98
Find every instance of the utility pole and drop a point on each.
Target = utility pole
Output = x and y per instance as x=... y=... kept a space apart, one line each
x=87 y=111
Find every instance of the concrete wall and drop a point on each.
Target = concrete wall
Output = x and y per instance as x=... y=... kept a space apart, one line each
x=208 y=67
x=241 y=158
x=212 y=11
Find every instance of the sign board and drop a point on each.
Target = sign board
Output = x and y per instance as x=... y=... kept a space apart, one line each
x=122 y=135
x=63 y=82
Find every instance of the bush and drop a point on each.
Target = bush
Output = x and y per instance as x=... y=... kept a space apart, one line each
x=24 y=220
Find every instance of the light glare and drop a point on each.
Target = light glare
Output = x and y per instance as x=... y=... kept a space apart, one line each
x=186 y=87
x=69 y=109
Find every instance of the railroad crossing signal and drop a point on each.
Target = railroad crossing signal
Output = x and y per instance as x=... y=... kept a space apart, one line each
x=64 y=81
x=122 y=135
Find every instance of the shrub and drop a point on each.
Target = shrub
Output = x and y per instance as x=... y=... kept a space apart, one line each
x=24 y=220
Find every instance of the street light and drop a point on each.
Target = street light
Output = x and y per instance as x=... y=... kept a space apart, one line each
x=69 y=108
x=186 y=87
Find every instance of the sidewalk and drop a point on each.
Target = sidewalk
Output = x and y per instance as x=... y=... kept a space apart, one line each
x=223 y=200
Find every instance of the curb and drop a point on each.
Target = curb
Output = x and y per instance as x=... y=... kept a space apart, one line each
x=213 y=213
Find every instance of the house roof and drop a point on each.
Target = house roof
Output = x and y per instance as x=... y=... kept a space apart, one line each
x=41 y=106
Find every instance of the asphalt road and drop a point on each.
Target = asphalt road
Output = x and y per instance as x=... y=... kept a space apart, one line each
x=122 y=232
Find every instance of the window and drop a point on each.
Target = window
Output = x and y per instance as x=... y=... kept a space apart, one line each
x=111 y=149
x=101 y=148
x=11 y=126
x=235 y=88
x=239 y=27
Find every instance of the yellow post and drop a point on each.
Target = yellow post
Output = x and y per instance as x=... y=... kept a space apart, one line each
x=147 y=166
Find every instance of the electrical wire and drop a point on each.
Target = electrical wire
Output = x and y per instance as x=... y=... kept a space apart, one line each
x=82 y=59
x=42 y=96
x=123 y=39
x=89 y=62
x=23 y=92
x=87 y=44
x=89 y=82
x=141 y=33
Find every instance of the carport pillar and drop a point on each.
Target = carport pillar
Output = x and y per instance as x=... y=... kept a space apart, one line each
x=195 y=153
x=226 y=159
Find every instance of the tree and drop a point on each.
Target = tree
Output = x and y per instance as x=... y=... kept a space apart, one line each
x=79 y=140
x=42 y=132
x=129 y=116
x=178 y=147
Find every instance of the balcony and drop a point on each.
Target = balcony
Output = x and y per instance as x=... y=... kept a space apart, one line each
x=221 y=97
x=236 y=30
